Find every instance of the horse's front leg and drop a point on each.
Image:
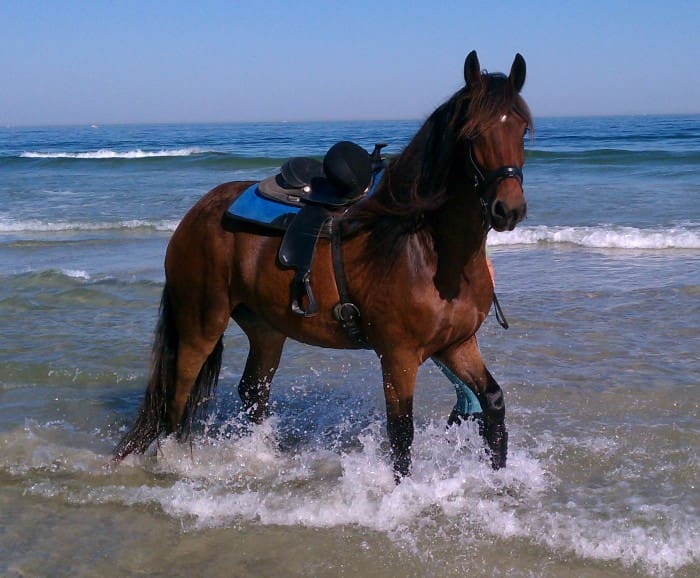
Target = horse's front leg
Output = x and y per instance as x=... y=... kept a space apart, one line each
x=463 y=362
x=467 y=406
x=399 y=373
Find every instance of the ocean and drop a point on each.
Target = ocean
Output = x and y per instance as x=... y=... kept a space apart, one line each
x=600 y=370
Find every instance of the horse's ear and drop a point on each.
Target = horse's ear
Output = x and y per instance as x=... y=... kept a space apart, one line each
x=472 y=69
x=517 y=73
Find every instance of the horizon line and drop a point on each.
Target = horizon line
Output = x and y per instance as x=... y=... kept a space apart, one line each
x=98 y=124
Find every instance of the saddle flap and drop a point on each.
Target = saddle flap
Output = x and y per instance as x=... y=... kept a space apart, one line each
x=297 y=251
x=299 y=241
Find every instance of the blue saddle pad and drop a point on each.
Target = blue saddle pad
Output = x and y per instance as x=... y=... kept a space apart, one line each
x=251 y=206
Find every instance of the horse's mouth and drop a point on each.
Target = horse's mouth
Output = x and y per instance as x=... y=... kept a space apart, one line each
x=504 y=219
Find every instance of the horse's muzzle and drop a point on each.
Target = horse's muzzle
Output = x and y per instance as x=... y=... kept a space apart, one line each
x=505 y=216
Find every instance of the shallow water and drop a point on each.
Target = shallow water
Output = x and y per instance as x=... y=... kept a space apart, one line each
x=599 y=368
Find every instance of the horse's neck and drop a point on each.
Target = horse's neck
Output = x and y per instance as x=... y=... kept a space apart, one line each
x=459 y=242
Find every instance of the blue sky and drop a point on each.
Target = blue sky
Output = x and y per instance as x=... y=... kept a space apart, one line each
x=67 y=62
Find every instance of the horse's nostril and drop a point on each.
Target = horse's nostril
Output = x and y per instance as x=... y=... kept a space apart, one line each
x=499 y=210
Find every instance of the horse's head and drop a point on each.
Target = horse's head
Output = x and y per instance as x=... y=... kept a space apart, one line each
x=497 y=120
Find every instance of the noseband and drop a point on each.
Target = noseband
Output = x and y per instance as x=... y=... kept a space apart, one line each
x=483 y=184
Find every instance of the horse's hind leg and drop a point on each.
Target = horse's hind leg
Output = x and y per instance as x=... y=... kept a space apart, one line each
x=266 y=346
x=198 y=366
x=464 y=362
x=184 y=373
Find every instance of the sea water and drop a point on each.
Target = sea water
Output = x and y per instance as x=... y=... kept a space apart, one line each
x=600 y=370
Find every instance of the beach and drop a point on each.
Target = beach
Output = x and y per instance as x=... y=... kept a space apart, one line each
x=600 y=366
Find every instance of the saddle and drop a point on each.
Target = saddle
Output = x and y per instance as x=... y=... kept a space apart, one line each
x=301 y=201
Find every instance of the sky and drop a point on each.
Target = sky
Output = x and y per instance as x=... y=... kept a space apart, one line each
x=99 y=61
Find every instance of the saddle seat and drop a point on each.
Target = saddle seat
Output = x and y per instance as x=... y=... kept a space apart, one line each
x=300 y=200
x=341 y=179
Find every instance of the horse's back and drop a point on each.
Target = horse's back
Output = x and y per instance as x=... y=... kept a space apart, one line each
x=211 y=208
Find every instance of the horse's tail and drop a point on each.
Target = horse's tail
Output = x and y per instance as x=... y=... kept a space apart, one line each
x=152 y=419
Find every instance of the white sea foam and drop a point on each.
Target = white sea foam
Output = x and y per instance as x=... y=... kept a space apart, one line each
x=111 y=154
x=452 y=495
x=601 y=236
x=36 y=225
x=76 y=274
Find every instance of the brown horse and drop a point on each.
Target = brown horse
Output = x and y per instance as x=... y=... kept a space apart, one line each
x=416 y=268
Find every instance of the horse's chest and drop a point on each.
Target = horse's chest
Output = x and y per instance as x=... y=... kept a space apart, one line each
x=436 y=322
x=462 y=320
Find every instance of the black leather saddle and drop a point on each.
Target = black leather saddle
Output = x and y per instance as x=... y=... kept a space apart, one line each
x=341 y=179
x=323 y=190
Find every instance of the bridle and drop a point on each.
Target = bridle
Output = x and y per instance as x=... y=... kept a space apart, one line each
x=483 y=184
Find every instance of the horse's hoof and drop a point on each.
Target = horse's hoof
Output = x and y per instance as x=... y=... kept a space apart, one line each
x=402 y=468
x=497 y=440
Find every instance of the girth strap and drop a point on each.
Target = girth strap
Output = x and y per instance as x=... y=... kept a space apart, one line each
x=346 y=312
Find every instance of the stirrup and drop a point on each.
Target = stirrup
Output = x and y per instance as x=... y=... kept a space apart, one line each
x=301 y=288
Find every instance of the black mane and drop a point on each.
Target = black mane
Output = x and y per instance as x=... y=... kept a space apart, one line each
x=417 y=181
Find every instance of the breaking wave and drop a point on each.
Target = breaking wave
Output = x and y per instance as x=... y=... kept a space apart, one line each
x=38 y=226
x=111 y=154
x=602 y=237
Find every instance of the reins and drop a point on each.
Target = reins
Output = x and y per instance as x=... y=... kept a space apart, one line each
x=500 y=317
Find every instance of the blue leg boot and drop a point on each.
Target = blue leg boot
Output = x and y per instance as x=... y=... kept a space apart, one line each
x=467 y=406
